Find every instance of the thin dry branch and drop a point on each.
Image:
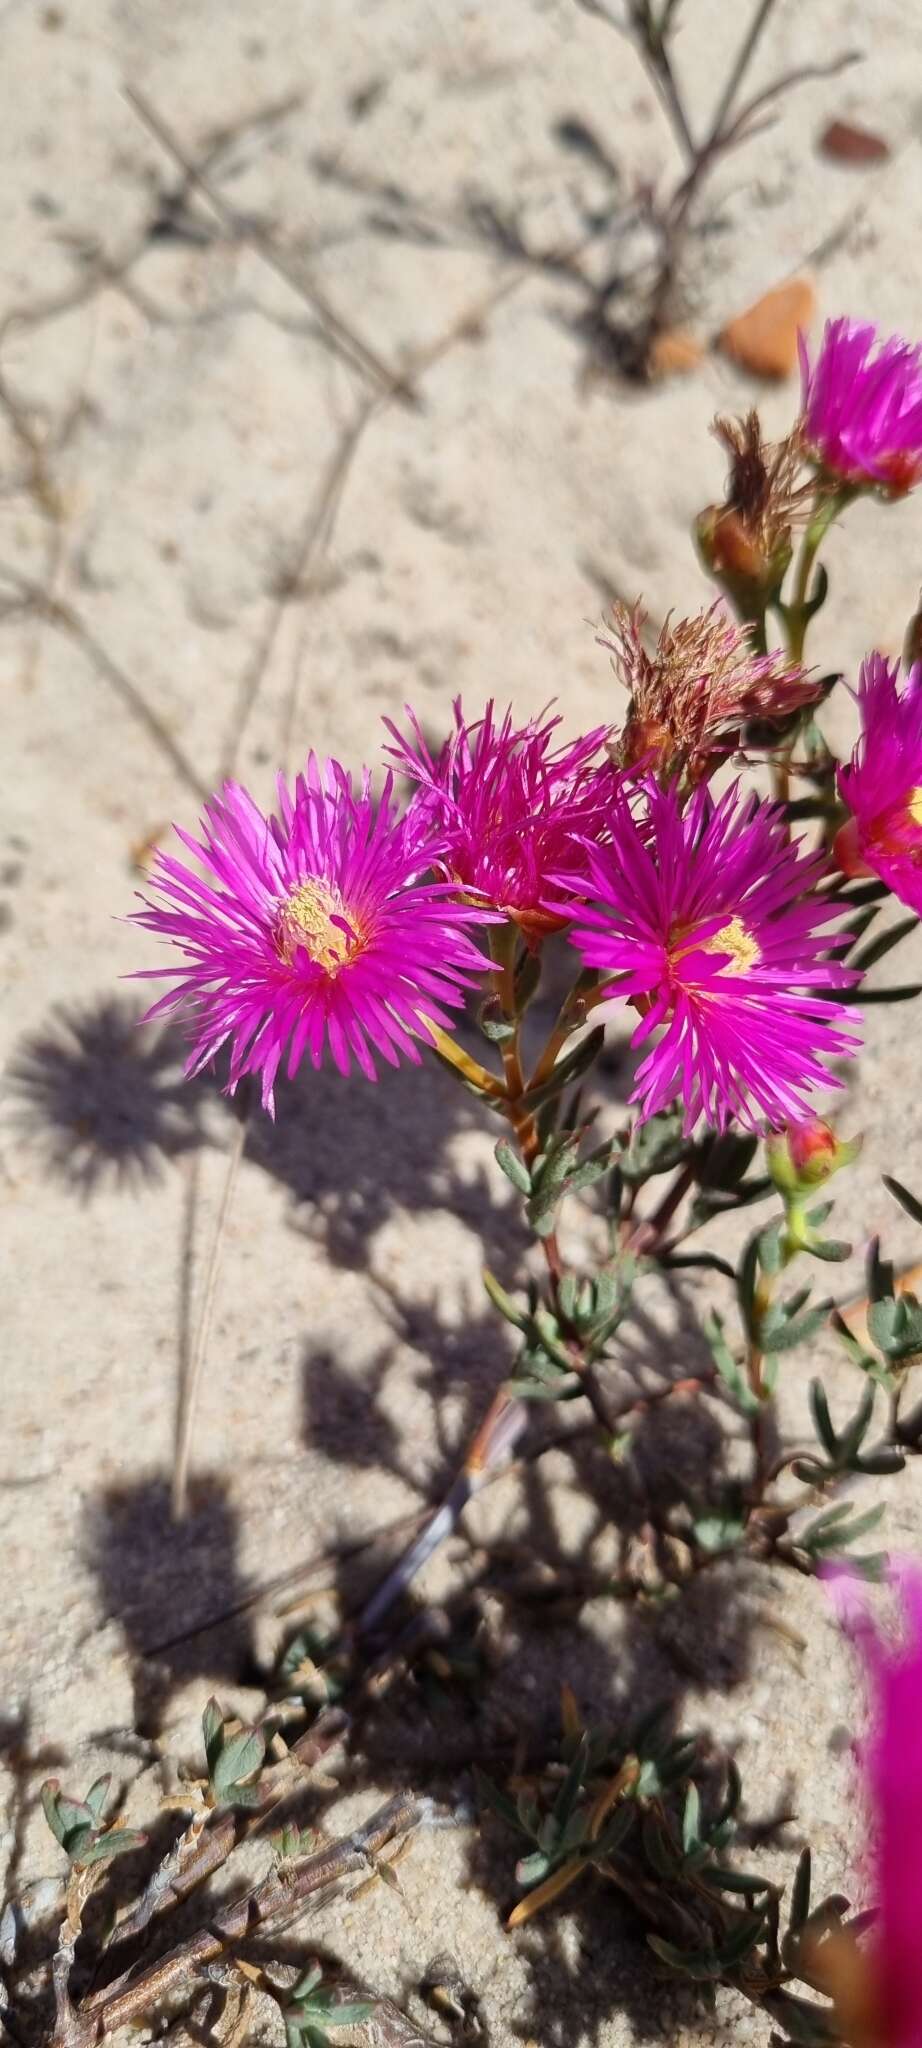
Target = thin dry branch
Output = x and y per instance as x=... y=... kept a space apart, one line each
x=728 y=130
x=340 y=336
x=209 y=1840
x=34 y=597
x=279 y=1898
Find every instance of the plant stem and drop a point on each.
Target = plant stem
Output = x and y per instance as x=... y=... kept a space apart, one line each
x=470 y=1070
x=202 y=1849
x=649 y=1232
x=583 y=997
x=503 y=944
x=754 y=1363
x=738 y=72
x=269 y=1905
x=797 y=615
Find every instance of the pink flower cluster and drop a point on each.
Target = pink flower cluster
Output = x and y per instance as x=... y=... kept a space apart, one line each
x=348 y=926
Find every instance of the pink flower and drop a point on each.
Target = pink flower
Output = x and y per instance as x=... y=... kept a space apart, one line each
x=705 y=916
x=862 y=412
x=508 y=813
x=882 y=784
x=892 y=1769
x=314 y=929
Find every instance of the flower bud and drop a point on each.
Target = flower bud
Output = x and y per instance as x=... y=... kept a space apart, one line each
x=804 y=1155
x=737 y=556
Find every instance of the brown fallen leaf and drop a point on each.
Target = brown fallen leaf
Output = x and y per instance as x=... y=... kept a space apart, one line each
x=764 y=338
x=674 y=353
x=849 y=144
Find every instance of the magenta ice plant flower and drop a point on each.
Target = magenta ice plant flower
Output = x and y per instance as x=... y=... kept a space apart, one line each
x=862 y=407
x=317 y=930
x=705 y=916
x=509 y=809
x=881 y=2002
x=882 y=783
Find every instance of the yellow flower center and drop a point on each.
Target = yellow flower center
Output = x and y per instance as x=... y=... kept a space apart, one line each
x=914 y=806
x=735 y=939
x=307 y=920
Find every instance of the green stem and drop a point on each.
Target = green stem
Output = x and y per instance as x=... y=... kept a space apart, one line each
x=754 y=1363
x=760 y=631
x=503 y=943
x=797 y=614
x=648 y=1234
x=582 y=998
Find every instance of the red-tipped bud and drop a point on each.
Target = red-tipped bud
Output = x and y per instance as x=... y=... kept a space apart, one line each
x=749 y=567
x=806 y=1154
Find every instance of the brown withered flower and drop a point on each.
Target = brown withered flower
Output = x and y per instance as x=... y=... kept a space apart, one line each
x=746 y=541
x=702 y=683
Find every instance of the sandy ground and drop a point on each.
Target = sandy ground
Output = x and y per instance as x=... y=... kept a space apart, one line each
x=222 y=545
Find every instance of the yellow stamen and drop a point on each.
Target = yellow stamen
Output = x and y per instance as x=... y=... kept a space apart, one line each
x=735 y=939
x=306 y=921
x=914 y=806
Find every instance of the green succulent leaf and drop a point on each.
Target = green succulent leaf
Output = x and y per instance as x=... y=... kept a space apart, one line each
x=782 y=1327
x=502 y=1301
x=730 y=1372
x=822 y=1419
x=656 y=1147
x=691 y=1820
x=742 y=1881
x=98 y=1794
x=838 y=1528
x=118 y=1842
x=513 y=1166
x=239 y=1757
x=50 y=1795
x=307 y=1983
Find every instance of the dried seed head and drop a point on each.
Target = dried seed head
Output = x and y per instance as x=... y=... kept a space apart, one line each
x=746 y=541
x=701 y=684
